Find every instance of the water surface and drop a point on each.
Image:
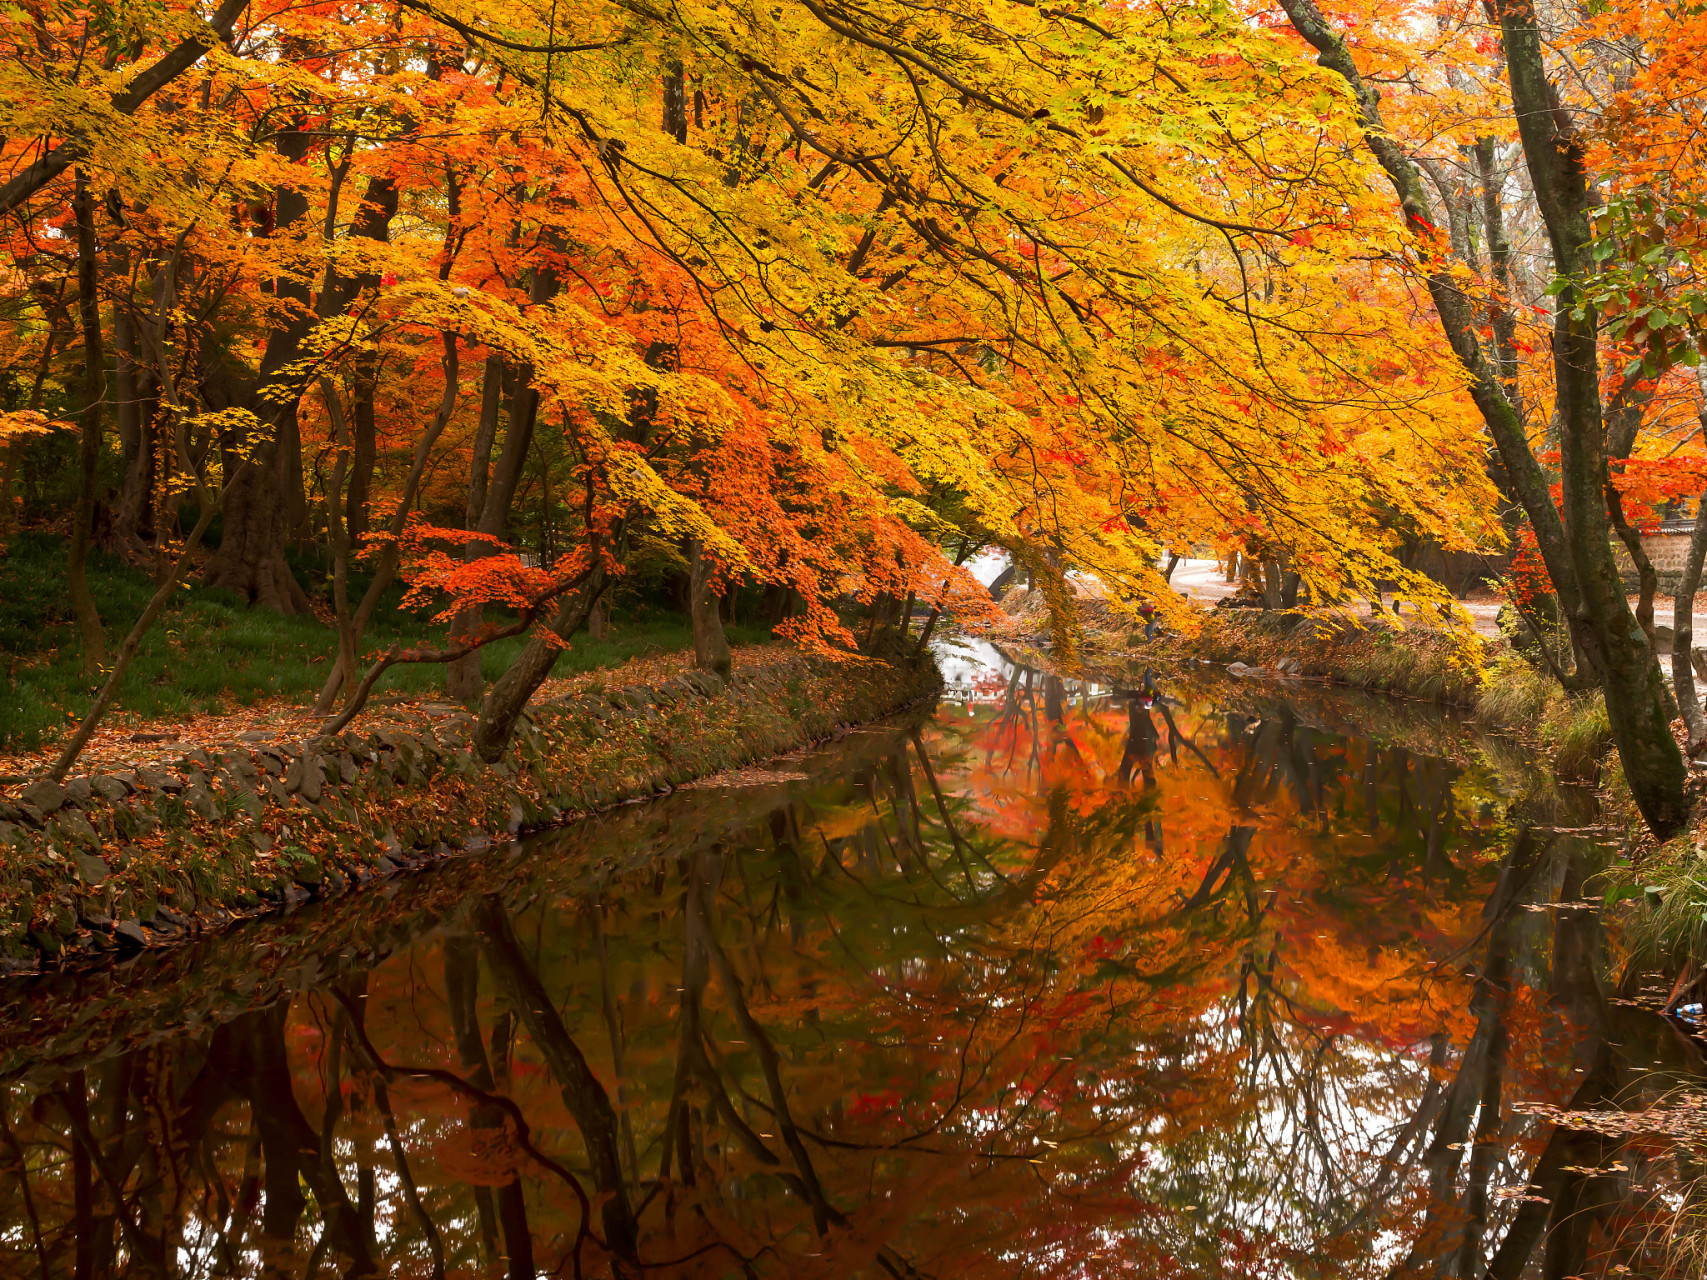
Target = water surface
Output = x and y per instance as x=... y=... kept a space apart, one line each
x=1065 y=980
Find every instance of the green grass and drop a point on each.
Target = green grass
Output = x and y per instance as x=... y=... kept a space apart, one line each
x=209 y=650
x=1518 y=698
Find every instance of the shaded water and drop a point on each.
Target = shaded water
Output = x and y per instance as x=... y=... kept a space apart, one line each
x=1064 y=981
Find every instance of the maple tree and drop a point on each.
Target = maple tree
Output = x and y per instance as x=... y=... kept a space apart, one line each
x=1517 y=134
x=1087 y=285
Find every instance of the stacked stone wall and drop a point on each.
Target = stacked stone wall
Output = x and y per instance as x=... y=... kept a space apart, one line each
x=113 y=862
x=1666 y=551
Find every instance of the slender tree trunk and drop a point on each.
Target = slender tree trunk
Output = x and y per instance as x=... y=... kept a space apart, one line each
x=1530 y=485
x=89 y=448
x=373 y=222
x=1636 y=702
x=463 y=681
x=1623 y=423
x=1575 y=543
x=351 y=630
x=364 y=446
x=1683 y=630
x=496 y=489
x=338 y=534
x=133 y=519
x=518 y=433
x=127 y=650
x=710 y=645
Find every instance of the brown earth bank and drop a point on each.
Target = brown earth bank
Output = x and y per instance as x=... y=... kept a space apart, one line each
x=1500 y=691
x=123 y=859
x=1377 y=654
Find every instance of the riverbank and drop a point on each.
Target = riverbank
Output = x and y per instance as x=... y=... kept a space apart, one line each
x=119 y=860
x=1484 y=677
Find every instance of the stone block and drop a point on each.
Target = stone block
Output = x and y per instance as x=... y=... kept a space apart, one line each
x=45 y=796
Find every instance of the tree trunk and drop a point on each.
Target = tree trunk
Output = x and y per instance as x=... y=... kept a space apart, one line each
x=363 y=451
x=1623 y=423
x=351 y=629
x=134 y=517
x=250 y=559
x=497 y=490
x=1683 y=627
x=1575 y=543
x=1635 y=693
x=509 y=694
x=89 y=449
x=710 y=646
x=463 y=681
x=518 y=434
x=1530 y=485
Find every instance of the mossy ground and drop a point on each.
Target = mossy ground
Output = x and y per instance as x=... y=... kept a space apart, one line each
x=210 y=652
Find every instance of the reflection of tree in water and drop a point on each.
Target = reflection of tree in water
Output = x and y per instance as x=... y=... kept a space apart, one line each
x=1074 y=987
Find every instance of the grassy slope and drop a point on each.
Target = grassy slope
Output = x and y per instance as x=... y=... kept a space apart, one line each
x=1504 y=693
x=209 y=651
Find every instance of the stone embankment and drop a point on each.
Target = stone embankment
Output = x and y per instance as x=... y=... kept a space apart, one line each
x=116 y=861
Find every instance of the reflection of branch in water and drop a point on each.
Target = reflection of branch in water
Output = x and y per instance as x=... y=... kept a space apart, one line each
x=462 y=978
x=1176 y=736
x=1515 y=873
x=28 y=1196
x=691 y=1062
x=823 y=1212
x=613 y=1028
x=1396 y=1159
x=1009 y=712
x=1234 y=865
x=523 y=1132
x=1475 y=1086
x=147 y=1248
x=357 y=1008
x=1548 y=1181
x=581 y=1091
x=960 y=842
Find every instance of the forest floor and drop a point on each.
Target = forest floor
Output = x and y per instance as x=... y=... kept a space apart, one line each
x=213 y=669
x=137 y=743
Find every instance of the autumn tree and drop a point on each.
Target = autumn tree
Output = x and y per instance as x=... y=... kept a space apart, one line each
x=1086 y=285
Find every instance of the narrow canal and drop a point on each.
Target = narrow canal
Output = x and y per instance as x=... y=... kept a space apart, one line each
x=1176 y=978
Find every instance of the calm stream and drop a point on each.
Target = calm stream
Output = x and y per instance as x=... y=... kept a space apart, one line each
x=1177 y=979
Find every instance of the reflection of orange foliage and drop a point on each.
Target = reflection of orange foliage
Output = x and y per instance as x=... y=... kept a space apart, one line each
x=1374 y=974
x=1060 y=1042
